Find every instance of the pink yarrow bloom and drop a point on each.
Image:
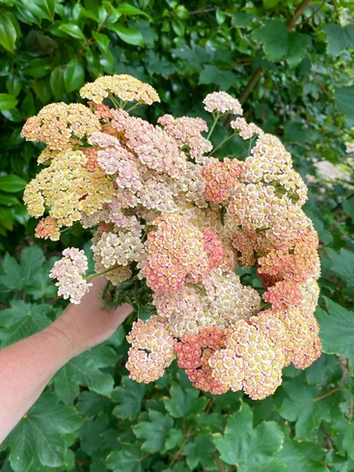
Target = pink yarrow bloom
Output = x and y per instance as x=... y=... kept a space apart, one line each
x=222 y=102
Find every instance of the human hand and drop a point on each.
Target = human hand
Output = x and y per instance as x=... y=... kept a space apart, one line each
x=89 y=323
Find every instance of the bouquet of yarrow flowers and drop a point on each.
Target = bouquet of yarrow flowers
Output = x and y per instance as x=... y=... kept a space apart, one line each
x=172 y=224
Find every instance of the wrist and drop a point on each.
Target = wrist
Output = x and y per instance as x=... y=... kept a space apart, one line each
x=63 y=336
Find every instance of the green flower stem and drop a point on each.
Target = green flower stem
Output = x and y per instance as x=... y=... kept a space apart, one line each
x=134 y=106
x=213 y=125
x=92 y=276
x=223 y=142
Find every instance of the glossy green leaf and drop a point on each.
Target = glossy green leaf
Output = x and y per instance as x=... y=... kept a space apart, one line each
x=8 y=33
x=128 y=35
x=72 y=30
x=7 y=101
x=338 y=38
x=12 y=183
x=130 y=10
x=102 y=41
x=74 y=75
x=43 y=9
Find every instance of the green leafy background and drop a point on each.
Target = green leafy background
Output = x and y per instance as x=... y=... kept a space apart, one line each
x=290 y=63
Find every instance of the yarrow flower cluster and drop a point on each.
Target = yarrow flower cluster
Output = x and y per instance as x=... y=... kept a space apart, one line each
x=176 y=223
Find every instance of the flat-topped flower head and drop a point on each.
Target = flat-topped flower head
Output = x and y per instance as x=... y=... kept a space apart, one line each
x=70 y=271
x=56 y=124
x=222 y=102
x=123 y=86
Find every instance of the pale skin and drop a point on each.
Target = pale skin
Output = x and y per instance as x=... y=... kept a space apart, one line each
x=27 y=366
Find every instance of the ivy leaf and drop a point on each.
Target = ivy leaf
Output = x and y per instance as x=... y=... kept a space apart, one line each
x=298 y=44
x=213 y=75
x=199 y=451
x=129 y=398
x=174 y=439
x=127 y=460
x=343 y=427
x=348 y=207
x=338 y=38
x=344 y=97
x=32 y=260
x=302 y=407
x=154 y=432
x=85 y=370
x=342 y=263
x=74 y=75
x=275 y=38
x=184 y=402
x=337 y=330
x=41 y=430
x=302 y=456
x=11 y=276
x=22 y=320
x=250 y=448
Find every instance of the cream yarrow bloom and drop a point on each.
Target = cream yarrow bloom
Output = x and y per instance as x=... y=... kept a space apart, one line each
x=70 y=271
x=123 y=86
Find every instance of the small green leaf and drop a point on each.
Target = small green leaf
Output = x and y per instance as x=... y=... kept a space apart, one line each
x=184 y=402
x=154 y=431
x=130 y=10
x=43 y=9
x=9 y=200
x=199 y=451
x=72 y=30
x=8 y=33
x=275 y=38
x=129 y=398
x=270 y=3
x=302 y=407
x=57 y=82
x=337 y=330
x=127 y=460
x=128 y=35
x=7 y=101
x=74 y=75
x=102 y=41
x=213 y=75
x=12 y=183
x=242 y=19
